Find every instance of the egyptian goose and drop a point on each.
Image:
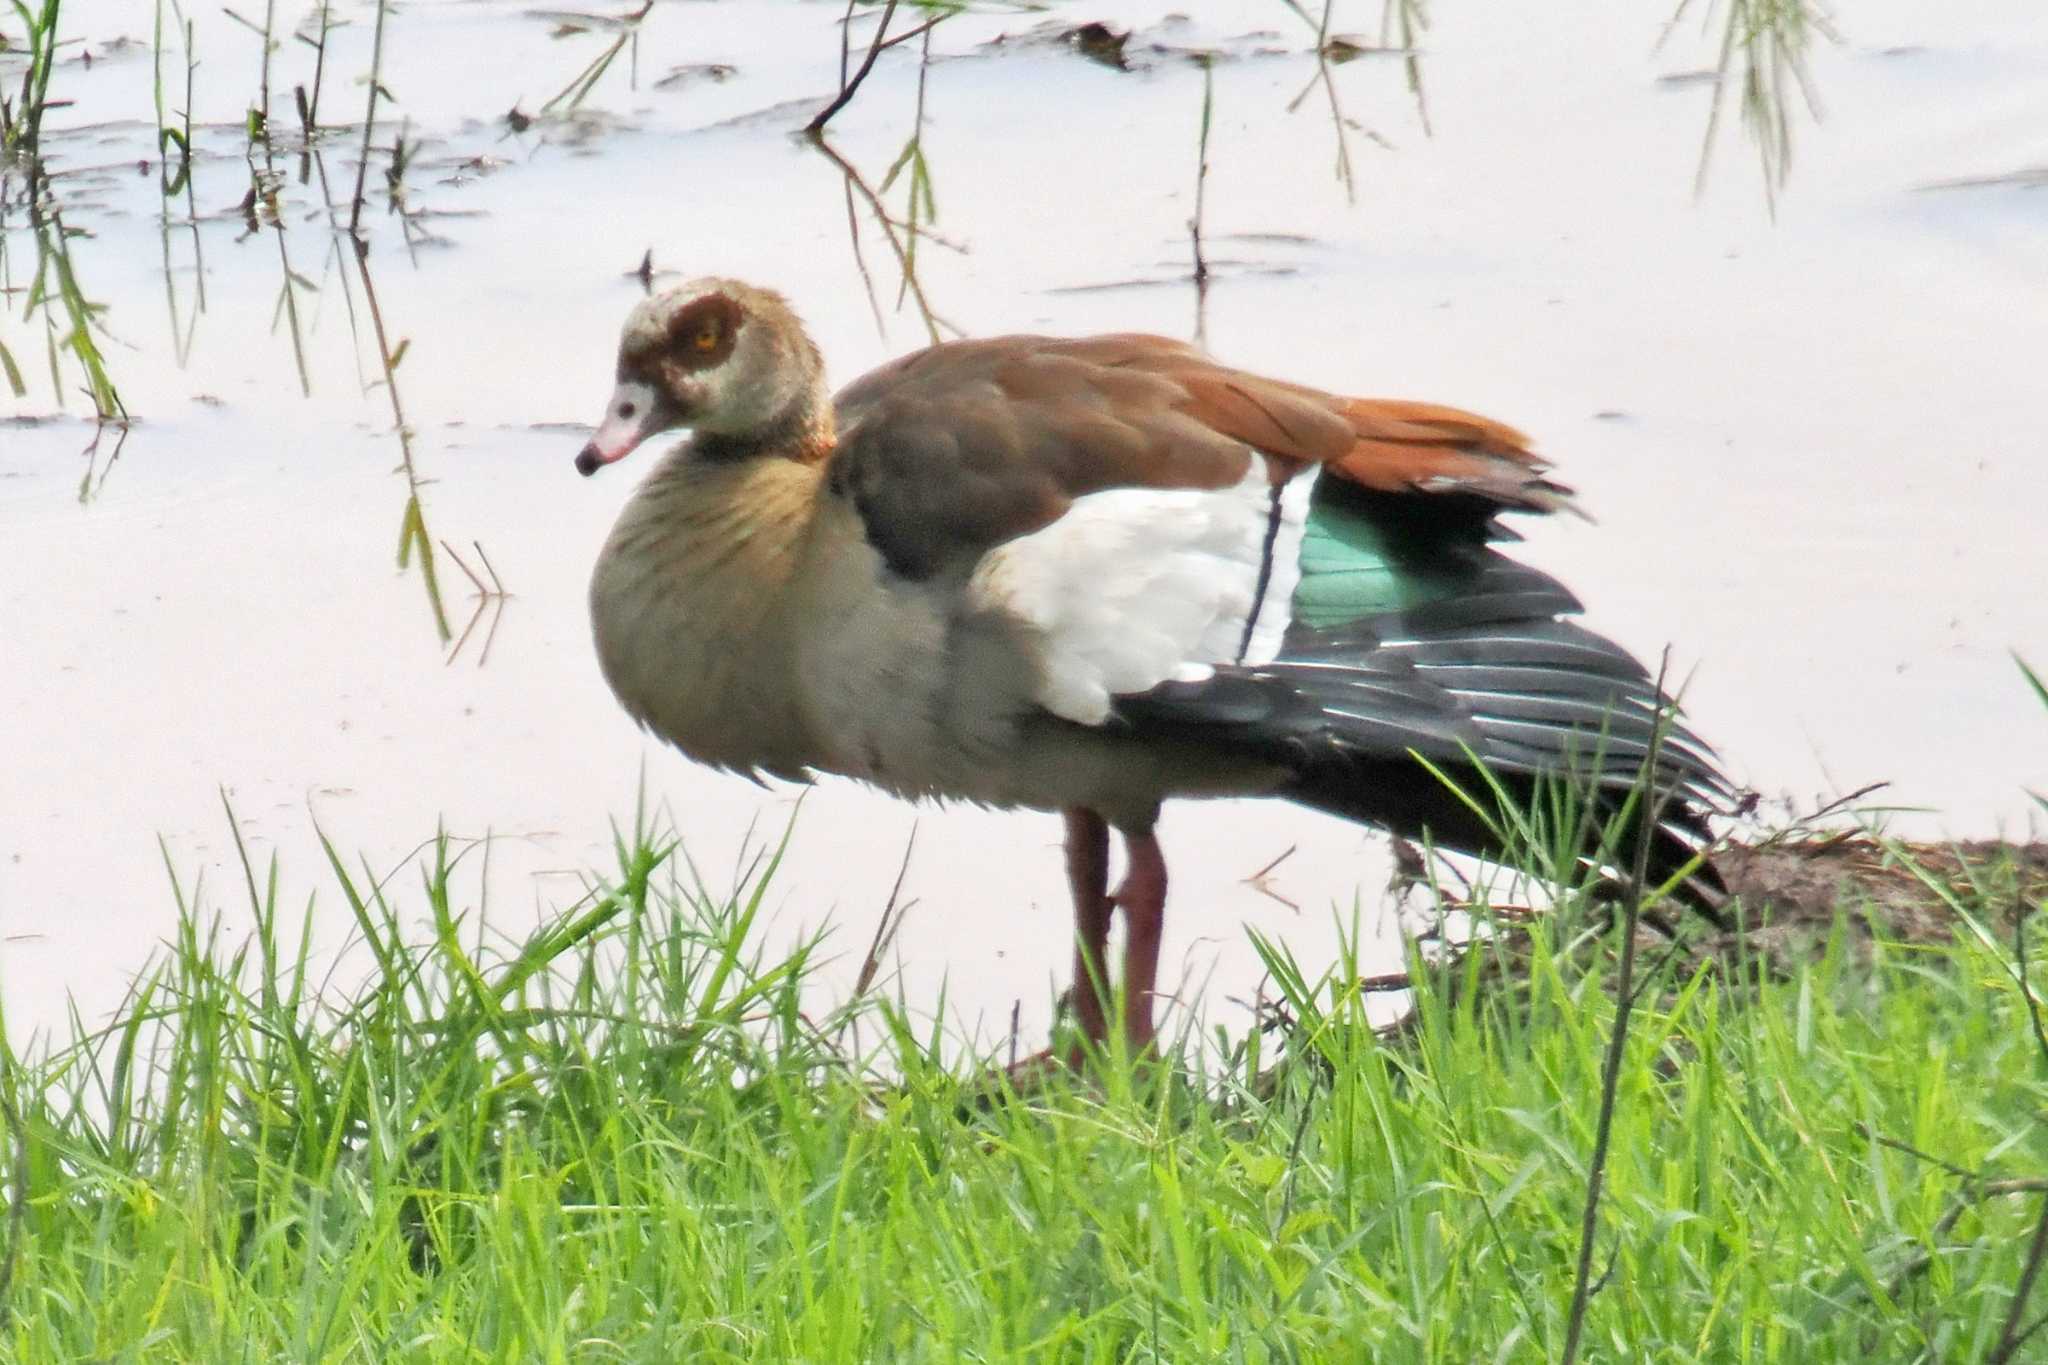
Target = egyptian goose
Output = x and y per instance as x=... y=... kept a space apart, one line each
x=1089 y=574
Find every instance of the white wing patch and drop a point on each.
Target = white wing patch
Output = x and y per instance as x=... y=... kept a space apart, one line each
x=1138 y=586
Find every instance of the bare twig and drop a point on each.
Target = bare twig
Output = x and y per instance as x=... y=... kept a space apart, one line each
x=1797 y=828
x=412 y=537
x=860 y=262
x=1278 y=859
x=413 y=528
x=847 y=85
x=1202 y=173
x=1653 y=798
x=269 y=23
x=845 y=41
x=904 y=260
x=490 y=597
x=926 y=27
x=2011 y=1337
x=1977 y=1187
x=1965 y=1200
x=1384 y=983
x=355 y=212
x=1909 y=1149
x=889 y=925
x=309 y=106
x=89 y=487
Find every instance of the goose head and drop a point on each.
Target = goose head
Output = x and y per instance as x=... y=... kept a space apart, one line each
x=723 y=358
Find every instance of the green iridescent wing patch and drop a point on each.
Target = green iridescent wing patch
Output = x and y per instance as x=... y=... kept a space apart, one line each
x=1350 y=569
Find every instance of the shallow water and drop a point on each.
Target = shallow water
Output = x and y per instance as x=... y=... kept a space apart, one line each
x=1811 y=440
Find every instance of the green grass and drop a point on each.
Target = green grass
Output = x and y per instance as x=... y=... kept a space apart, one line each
x=21 y=117
x=624 y=1138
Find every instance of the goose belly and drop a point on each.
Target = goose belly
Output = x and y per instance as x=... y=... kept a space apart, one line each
x=897 y=689
x=923 y=691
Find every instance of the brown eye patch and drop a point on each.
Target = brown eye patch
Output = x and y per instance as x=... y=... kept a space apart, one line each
x=701 y=335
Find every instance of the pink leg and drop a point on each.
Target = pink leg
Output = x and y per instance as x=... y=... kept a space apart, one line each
x=1088 y=877
x=1142 y=897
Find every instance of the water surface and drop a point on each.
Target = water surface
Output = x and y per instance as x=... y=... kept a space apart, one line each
x=1811 y=439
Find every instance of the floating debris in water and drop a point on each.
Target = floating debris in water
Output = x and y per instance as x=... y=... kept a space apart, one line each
x=1100 y=43
x=717 y=72
x=2025 y=178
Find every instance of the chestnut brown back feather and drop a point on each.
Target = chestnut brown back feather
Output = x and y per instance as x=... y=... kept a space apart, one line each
x=957 y=448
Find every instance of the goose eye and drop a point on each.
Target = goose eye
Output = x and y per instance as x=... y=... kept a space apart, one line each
x=705 y=340
x=626 y=409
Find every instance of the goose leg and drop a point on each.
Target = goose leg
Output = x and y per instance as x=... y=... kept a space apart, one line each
x=1142 y=898
x=1088 y=877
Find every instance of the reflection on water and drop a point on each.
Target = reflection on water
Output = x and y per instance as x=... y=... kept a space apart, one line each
x=1799 y=434
x=902 y=236
x=625 y=34
x=53 y=295
x=488 y=602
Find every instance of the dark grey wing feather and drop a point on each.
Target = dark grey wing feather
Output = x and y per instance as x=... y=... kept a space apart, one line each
x=1487 y=672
